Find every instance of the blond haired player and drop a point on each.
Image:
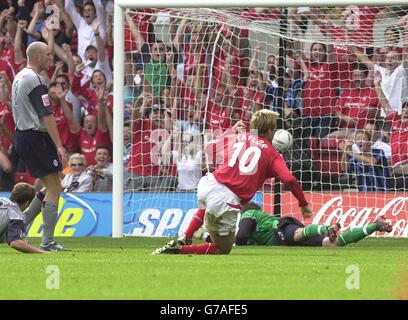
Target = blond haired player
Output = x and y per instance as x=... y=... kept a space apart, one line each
x=249 y=159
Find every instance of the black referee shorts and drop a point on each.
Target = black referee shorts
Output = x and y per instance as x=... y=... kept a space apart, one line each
x=285 y=234
x=38 y=152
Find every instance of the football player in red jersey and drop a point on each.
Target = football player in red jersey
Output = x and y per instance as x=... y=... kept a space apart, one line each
x=249 y=159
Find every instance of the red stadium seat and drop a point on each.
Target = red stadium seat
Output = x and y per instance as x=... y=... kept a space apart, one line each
x=330 y=143
x=327 y=156
x=24 y=177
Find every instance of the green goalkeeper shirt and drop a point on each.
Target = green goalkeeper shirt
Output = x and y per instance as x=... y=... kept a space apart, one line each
x=155 y=74
x=265 y=226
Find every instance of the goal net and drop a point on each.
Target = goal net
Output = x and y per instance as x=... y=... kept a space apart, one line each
x=336 y=75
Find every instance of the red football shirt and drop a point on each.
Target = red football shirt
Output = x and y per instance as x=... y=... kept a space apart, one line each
x=3 y=109
x=319 y=95
x=219 y=69
x=88 y=144
x=343 y=54
x=248 y=161
x=187 y=97
x=248 y=103
x=220 y=143
x=190 y=65
x=68 y=139
x=355 y=103
x=87 y=93
x=141 y=19
x=8 y=123
x=145 y=153
x=8 y=55
x=217 y=117
x=399 y=139
x=362 y=24
x=8 y=69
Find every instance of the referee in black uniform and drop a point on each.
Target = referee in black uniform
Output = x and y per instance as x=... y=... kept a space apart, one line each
x=37 y=140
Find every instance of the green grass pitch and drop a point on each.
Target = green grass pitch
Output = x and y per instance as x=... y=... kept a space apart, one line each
x=105 y=268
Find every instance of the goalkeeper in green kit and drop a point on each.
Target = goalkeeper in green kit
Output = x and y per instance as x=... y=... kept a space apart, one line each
x=259 y=228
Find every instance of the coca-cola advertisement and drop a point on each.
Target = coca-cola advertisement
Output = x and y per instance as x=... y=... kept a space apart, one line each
x=350 y=209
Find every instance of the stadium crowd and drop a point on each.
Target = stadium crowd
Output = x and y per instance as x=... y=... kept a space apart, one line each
x=338 y=97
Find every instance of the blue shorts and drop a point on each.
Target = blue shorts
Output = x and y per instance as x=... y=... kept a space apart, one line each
x=38 y=152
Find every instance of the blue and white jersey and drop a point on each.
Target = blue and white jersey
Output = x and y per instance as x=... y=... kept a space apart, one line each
x=371 y=178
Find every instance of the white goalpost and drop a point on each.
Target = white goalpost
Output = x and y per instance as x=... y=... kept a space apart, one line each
x=258 y=49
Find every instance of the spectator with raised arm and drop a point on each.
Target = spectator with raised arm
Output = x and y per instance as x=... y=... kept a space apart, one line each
x=6 y=134
x=39 y=27
x=104 y=112
x=69 y=27
x=149 y=135
x=92 y=10
x=399 y=130
x=192 y=41
x=18 y=58
x=393 y=75
x=154 y=60
x=218 y=110
x=91 y=136
x=96 y=58
x=140 y=22
x=76 y=60
x=250 y=98
x=63 y=80
x=369 y=165
x=321 y=75
x=5 y=89
x=69 y=60
x=7 y=125
x=36 y=24
x=7 y=37
x=357 y=21
x=87 y=94
x=109 y=38
x=227 y=67
x=398 y=122
x=338 y=34
x=379 y=138
x=356 y=105
x=67 y=125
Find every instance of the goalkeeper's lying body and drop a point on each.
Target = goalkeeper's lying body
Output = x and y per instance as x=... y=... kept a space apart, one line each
x=259 y=228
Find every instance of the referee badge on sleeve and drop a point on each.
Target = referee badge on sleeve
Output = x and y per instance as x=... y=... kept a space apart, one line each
x=46 y=100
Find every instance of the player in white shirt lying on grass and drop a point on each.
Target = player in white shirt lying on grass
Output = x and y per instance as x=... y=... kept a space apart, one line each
x=16 y=213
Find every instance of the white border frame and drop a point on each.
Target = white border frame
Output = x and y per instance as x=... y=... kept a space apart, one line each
x=118 y=109
x=256 y=3
x=118 y=69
